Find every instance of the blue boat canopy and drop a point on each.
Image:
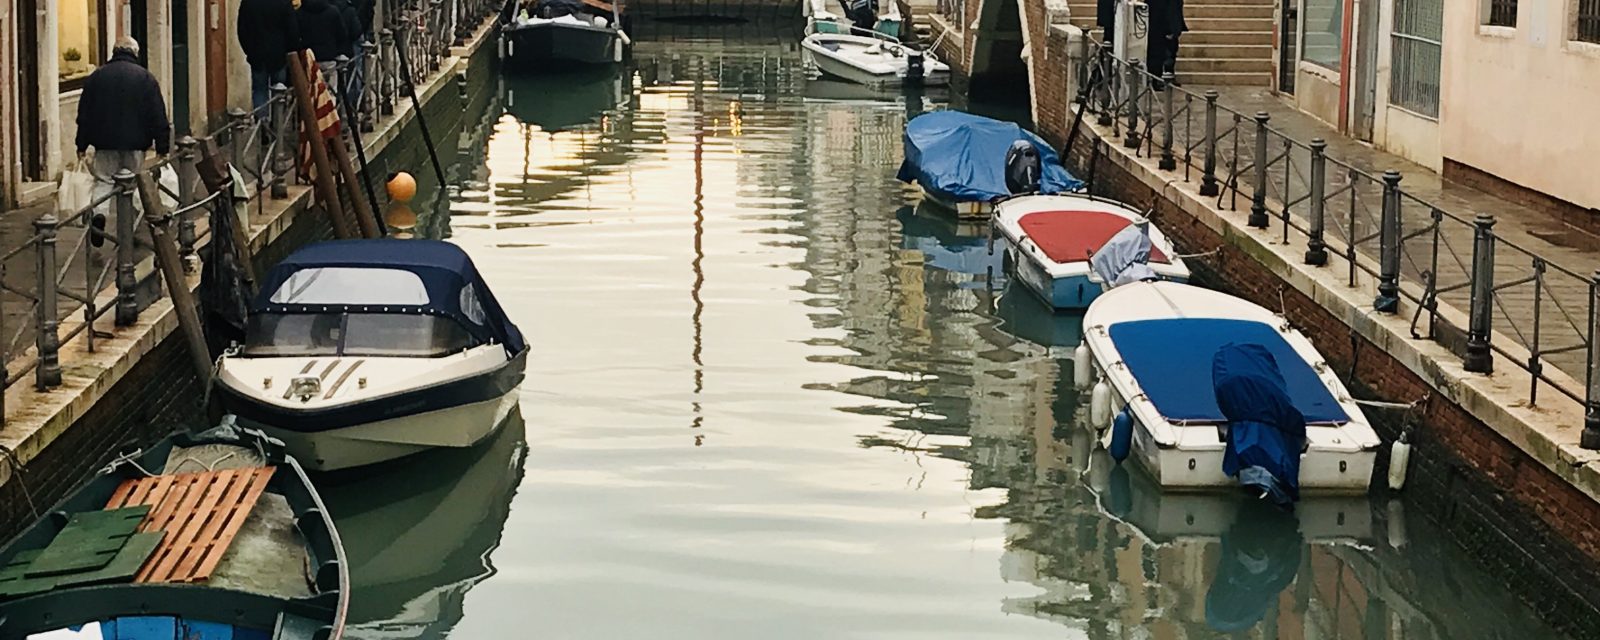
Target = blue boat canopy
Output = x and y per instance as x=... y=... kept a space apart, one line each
x=1172 y=361
x=960 y=157
x=427 y=277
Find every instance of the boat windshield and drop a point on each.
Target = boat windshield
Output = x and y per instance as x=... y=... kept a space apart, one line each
x=354 y=334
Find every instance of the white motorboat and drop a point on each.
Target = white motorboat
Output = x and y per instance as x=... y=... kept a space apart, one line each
x=1052 y=244
x=1163 y=356
x=554 y=35
x=842 y=47
x=361 y=351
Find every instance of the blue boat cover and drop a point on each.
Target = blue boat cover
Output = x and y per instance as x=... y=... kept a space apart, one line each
x=1265 y=432
x=960 y=157
x=1172 y=359
x=1125 y=258
x=453 y=288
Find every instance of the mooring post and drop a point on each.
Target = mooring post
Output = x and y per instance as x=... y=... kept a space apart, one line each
x=1258 y=199
x=48 y=340
x=1108 y=89
x=1591 y=399
x=188 y=178
x=1168 y=162
x=167 y=260
x=1388 y=300
x=1135 y=84
x=1317 y=248
x=284 y=149
x=1208 y=169
x=1480 y=321
x=322 y=170
x=127 y=286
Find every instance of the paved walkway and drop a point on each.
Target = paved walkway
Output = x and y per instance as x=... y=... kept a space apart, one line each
x=1526 y=233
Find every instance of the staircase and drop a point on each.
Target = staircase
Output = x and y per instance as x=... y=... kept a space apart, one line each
x=1229 y=41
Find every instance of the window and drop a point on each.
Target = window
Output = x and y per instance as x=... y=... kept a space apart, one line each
x=354 y=334
x=352 y=286
x=1588 y=21
x=1414 y=74
x=1322 y=21
x=80 y=29
x=1502 y=13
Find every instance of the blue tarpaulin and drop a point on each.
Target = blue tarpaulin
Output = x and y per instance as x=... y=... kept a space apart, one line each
x=960 y=157
x=1172 y=361
x=1265 y=432
x=449 y=282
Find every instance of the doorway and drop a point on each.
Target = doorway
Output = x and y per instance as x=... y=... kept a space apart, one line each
x=1288 y=46
x=1366 y=71
x=179 y=15
x=216 y=58
x=30 y=132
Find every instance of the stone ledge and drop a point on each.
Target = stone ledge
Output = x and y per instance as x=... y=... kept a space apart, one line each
x=1548 y=433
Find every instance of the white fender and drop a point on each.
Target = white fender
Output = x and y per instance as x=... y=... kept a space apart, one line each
x=1082 y=366
x=1100 y=406
x=1399 y=457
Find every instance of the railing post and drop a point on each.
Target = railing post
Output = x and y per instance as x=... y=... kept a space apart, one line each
x=239 y=124
x=386 y=84
x=1388 y=300
x=1108 y=84
x=1591 y=400
x=186 y=196
x=1316 y=248
x=1208 y=170
x=284 y=149
x=48 y=340
x=127 y=284
x=1258 y=199
x=1135 y=82
x=369 y=89
x=1168 y=162
x=1479 y=359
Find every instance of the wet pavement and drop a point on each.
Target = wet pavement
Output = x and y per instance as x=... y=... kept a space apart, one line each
x=768 y=398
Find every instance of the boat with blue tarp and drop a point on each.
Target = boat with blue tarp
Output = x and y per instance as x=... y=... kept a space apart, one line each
x=216 y=535
x=1068 y=249
x=1207 y=390
x=960 y=161
x=361 y=351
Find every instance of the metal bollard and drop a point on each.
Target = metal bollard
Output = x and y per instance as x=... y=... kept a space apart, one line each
x=369 y=89
x=1591 y=415
x=1168 y=161
x=386 y=77
x=1107 y=90
x=1135 y=84
x=48 y=340
x=127 y=285
x=1258 y=199
x=283 y=150
x=1209 y=186
x=1317 y=248
x=1388 y=300
x=239 y=124
x=1479 y=324
x=187 y=178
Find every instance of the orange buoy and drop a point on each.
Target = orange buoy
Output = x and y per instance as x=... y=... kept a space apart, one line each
x=402 y=187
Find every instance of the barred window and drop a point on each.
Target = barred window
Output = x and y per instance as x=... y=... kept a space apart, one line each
x=1588 y=21
x=1414 y=76
x=1502 y=13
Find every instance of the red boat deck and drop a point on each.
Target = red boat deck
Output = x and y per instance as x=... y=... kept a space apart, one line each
x=1074 y=236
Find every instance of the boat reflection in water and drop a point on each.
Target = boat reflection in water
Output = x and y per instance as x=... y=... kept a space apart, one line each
x=565 y=101
x=1027 y=317
x=949 y=245
x=419 y=532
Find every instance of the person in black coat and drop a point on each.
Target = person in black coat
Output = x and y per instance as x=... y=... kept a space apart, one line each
x=322 y=30
x=1166 y=26
x=1106 y=17
x=268 y=31
x=121 y=114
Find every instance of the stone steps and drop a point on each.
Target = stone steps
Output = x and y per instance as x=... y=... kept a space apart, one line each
x=1229 y=41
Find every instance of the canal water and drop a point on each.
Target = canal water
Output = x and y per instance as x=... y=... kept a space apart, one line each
x=769 y=398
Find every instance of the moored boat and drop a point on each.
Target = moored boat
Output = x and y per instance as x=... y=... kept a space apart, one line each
x=553 y=35
x=215 y=535
x=960 y=161
x=1210 y=391
x=874 y=60
x=1068 y=249
x=361 y=351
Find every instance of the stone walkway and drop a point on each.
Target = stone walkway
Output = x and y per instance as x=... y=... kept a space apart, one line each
x=1525 y=235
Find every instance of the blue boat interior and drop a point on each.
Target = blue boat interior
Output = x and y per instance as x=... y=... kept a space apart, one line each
x=157 y=628
x=1172 y=361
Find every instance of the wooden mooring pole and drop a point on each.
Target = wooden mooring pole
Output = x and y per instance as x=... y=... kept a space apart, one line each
x=327 y=190
x=171 y=265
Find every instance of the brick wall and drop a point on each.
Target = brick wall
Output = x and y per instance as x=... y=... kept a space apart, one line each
x=1524 y=524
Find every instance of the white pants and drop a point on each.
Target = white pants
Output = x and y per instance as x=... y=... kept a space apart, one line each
x=104 y=169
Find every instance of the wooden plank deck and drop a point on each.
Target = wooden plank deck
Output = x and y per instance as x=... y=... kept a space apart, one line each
x=200 y=513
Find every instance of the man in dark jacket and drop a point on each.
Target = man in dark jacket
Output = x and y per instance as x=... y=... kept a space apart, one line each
x=322 y=30
x=268 y=31
x=121 y=114
x=351 y=78
x=1166 y=25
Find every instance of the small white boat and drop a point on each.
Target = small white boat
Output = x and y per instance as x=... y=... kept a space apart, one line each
x=873 y=57
x=362 y=351
x=1052 y=244
x=1156 y=347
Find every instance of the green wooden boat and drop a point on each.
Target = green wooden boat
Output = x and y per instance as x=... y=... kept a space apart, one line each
x=211 y=535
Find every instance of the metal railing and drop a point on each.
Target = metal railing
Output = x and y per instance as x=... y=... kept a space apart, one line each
x=67 y=284
x=1414 y=249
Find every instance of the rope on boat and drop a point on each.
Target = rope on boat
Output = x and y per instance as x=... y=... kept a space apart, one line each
x=16 y=472
x=1381 y=404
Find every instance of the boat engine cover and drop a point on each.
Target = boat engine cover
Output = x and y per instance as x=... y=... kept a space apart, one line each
x=1265 y=432
x=1022 y=168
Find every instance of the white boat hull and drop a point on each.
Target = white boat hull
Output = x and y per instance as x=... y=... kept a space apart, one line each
x=853 y=59
x=384 y=440
x=1069 y=285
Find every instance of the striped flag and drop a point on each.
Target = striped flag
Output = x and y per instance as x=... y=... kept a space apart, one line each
x=327 y=112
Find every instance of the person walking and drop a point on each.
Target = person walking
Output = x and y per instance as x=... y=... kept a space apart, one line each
x=1166 y=26
x=322 y=30
x=121 y=114
x=268 y=31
